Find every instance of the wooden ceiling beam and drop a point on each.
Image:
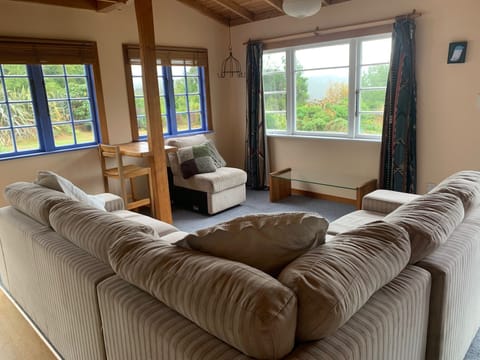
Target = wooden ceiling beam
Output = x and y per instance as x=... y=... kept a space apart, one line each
x=237 y=9
x=276 y=4
x=109 y=5
x=78 y=4
x=205 y=11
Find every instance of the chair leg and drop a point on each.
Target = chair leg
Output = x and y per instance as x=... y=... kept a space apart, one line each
x=132 y=189
x=123 y=191
x=152 y=198
x=105 y=184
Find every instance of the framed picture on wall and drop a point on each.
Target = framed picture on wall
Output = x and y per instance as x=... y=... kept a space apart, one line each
x=457 y=51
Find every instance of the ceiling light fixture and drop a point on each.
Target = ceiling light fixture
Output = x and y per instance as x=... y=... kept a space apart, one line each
x=231 y=66
x=301 y=8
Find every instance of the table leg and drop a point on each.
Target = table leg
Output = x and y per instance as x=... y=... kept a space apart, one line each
x=363 y=190
x=279 y=187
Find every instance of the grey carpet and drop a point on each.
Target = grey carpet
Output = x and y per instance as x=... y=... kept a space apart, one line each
x=474 y=351
x=258 y=202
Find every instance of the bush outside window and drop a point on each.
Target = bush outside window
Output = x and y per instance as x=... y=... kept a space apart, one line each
x=46 y=108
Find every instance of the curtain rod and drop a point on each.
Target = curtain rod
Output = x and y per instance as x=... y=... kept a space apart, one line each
x=317 y=31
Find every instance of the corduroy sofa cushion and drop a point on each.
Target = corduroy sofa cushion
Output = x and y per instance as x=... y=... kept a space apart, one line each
x=334 y=280
x=33 y=200
x=240 y=305
x=92 y=229
x=429 y=221
x=267 y=242
x=465 y=185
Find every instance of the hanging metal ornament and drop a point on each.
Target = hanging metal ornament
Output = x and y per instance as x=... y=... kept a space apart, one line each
x=231 y=66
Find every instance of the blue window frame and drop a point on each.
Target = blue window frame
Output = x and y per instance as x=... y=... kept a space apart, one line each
x=46 y=108
x=183 y=89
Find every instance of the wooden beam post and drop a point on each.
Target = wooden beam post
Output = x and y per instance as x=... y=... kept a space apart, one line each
x=146 y=35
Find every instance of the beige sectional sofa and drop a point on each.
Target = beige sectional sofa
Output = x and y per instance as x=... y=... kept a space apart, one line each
x=110 y=285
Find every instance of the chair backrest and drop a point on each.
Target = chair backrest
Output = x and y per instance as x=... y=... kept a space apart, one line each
x=112 y=152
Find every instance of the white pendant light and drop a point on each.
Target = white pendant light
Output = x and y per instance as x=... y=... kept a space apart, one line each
x=301 y=8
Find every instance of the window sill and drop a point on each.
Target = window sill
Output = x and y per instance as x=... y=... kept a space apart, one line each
x=22 y=156
x=315 y=137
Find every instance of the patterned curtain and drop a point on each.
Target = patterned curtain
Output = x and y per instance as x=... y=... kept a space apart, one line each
x=255 y=156
x=398 y=166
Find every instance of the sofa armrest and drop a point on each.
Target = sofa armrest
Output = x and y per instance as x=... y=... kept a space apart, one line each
x=385 y=201
x=112 y=202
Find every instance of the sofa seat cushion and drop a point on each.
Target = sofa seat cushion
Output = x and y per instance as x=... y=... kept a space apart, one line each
x=336 y=279
x=238 y=304
x=222 y=179
x=267 y=242
x=465 y=185
x=429 y=221
x=354 y=219
x=385 y=201
x=33 y=200
x=92 y=229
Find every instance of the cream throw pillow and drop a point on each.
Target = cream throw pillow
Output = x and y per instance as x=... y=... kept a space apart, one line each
x=54 y=181
x=267 y=242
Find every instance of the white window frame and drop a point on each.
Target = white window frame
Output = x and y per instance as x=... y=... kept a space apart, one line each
x=353 y=90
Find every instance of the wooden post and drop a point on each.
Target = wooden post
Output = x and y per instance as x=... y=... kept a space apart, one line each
x=146 y=35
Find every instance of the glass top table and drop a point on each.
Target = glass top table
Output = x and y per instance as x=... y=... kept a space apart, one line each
x=281 y=183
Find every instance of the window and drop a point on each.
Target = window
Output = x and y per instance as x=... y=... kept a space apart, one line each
x=182 y=82
x=46 y=106
x=332 y=89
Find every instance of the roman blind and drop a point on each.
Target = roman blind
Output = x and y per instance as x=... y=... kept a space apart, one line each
x=169 y=56
x=15 y=50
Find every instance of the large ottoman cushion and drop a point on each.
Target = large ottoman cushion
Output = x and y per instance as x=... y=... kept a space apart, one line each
x=352 y=220
x=267 y=242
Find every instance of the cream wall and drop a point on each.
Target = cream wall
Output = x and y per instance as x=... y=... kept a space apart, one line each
x=448 y=123
x=110 y=30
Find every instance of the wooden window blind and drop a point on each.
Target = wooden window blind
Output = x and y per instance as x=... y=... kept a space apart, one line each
x=170 y=56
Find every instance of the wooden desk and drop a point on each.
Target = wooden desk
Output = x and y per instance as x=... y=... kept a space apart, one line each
x=140 y=149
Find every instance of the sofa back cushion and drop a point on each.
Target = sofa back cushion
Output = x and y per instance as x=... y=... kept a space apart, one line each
x=33 y=200
x=334 y=280
x=267 y=242
x=240 y=305
x=429 y=221
x=92 y=229
x=465 y=185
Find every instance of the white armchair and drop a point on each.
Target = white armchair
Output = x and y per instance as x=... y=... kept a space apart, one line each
x=208 y=192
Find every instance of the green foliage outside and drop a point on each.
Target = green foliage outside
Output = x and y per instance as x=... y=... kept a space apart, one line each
x=58 y=90
x=329 y=114
x=185 y=88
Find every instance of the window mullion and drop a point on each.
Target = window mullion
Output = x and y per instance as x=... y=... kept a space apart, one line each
x=93 y=101
x=290 y=69
x=353 y=85
x=169 y=99
x=40 y=105
x=203 y=106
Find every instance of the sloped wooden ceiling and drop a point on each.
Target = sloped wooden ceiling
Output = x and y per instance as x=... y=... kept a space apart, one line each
x=236 y=12
x=96 y=5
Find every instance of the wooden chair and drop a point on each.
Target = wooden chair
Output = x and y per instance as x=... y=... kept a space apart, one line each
x=123 y=173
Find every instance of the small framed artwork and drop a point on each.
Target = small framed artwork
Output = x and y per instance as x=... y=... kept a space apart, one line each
x=457 y=51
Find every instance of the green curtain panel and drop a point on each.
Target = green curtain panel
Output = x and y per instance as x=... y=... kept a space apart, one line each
x=398 y=167
x=255 y=160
